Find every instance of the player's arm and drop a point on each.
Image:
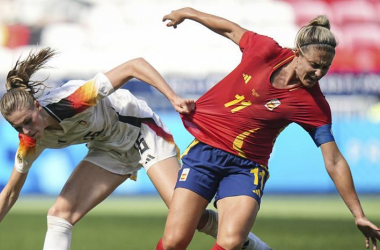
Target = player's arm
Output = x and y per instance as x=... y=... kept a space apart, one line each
x=140 y=69
x=217 y=24
x=340 y=173
x=11 y=191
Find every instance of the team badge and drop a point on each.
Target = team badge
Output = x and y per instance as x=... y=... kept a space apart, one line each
x=272 y=104
x=19 y=158
x=84 y=123
x=185 y=173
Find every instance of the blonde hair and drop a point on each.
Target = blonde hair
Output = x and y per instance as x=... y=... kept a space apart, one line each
x=20 y=89
x=316 y=34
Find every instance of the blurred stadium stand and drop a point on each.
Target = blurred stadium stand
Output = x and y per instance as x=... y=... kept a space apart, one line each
x=96 y=35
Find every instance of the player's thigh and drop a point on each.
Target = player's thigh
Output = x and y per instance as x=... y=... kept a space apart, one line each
x=87 y=186
x=163 y=175
x=184 y=214
x=236 y=215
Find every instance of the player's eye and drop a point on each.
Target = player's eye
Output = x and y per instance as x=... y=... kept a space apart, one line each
x=28 y=121
x=18 y=129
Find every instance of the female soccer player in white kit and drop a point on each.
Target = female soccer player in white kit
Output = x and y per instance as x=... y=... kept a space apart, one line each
x=121 y=132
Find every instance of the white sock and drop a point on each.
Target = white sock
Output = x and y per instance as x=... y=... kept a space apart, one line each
x=58 y=235
x=211 y=226
x=255 y=243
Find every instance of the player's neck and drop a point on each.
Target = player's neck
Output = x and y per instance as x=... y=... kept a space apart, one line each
x=51 y=123
x=285 y=77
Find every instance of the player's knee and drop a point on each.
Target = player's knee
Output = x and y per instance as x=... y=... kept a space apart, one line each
x=63 y=212
x=176 y=242
x=231 y=242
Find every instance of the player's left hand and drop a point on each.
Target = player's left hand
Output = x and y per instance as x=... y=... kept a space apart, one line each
x=183 y=106
x=370 y=231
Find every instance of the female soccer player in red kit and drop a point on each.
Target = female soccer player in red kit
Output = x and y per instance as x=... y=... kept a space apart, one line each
x=236 y=123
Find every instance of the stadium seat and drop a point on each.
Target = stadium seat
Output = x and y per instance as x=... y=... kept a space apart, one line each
x=362 y=43
x=63 y=35
x=307 y=10
x=16 y=35
x=353 y=11
x=267 y=13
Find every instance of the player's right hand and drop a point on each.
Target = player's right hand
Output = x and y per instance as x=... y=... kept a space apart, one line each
x=370 y=231
x=175 y=17
x=183 y=106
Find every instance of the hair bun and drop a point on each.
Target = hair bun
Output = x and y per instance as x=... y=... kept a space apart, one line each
x=321 y=21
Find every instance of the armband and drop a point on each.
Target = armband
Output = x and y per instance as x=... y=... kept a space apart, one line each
x=322 y=135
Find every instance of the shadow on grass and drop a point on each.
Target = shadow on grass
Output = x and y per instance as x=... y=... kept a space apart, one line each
x=19 y=231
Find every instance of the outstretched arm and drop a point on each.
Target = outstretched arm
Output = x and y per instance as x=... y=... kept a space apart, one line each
x=340 y=173
x=217 y=24
x=11 y=191
x=142 y=70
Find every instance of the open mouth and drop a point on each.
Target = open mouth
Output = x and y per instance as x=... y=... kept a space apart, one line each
x=311 y=79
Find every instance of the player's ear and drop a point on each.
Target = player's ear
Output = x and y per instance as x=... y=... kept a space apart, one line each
x=297 y=52
x=37 y=104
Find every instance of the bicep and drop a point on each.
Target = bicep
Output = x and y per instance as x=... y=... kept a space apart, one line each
x=235 y=33
x=119 y=75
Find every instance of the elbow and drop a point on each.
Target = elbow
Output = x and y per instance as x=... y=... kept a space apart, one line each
x=133 y=66
x=138 y=61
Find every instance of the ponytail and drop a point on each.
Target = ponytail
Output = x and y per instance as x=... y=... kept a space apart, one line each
x=19 y=76
x=20 y=89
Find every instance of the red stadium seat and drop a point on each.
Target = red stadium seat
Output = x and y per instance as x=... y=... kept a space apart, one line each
x=307 y=10
x=16 y=35
x=353 y=11
x=362 y=43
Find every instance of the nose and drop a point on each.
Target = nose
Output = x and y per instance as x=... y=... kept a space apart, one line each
x=319 y=73
x=25 y=131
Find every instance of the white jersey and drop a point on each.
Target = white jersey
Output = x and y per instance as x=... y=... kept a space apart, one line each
x=90 y=112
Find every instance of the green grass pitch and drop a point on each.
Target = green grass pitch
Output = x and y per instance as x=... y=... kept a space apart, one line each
x=285 y=222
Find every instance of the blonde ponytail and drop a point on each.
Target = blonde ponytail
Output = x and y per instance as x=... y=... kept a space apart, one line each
x=19 y=76
x=20 y=89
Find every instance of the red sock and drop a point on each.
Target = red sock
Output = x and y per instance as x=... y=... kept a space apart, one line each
x=159 y=245
x=215 y=247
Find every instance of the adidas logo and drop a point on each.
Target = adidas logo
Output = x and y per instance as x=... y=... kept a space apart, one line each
x=149 y=158
x=246 y=78
x=258 y=192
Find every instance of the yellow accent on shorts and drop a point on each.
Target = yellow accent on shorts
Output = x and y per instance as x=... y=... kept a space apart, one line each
x=192 y=144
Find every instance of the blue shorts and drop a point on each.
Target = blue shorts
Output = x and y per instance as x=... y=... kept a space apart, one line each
x=209 y=171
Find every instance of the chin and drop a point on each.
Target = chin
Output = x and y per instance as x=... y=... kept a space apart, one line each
x=38 y=135
x=308 y=84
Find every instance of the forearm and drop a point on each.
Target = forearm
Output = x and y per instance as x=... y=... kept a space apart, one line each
x=140 y=69
x=217 y=24
x=341 y=175
x=11 y=191
x=7 y=199
x=146 y=73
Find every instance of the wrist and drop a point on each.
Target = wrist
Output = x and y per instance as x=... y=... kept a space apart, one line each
x=359 y=216
x=188 y=13
x=172 y=98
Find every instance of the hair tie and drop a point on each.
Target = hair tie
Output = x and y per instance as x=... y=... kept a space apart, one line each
x=317 y=43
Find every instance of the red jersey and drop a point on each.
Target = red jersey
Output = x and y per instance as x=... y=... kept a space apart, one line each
x=243 y=114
